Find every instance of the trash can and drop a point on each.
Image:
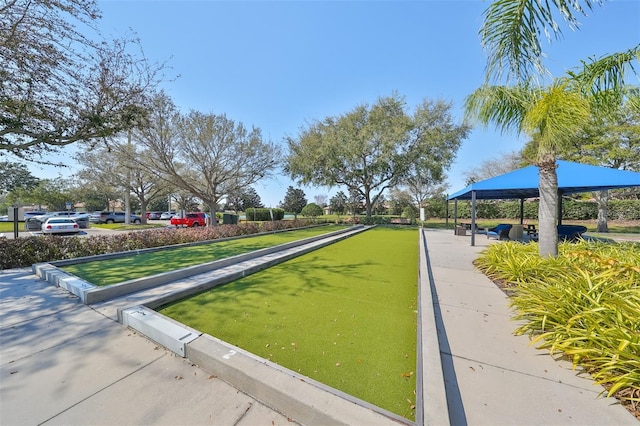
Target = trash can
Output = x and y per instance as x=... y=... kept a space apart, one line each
x=229 y=219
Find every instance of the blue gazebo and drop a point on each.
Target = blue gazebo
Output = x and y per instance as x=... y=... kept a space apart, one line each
x=523 y=183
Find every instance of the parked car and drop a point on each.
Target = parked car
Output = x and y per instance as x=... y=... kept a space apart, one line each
x=82 y=219
x=167 y=215
x=118 y=217
x=4 y=218
x=154 y=215
x=190 y=220
x=34 y=213
x=60 y=225
x=94 y=217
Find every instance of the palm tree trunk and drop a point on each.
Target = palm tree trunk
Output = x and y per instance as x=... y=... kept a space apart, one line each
x=548 y=209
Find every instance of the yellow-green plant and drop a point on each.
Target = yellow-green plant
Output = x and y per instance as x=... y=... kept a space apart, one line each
x=584 y=304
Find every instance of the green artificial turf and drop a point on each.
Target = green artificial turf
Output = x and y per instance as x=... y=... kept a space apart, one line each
x=112 y=271
x=344 y=315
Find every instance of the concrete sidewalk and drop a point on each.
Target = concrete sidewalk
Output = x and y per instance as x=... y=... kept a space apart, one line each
x=62 y=362
x=493 y=377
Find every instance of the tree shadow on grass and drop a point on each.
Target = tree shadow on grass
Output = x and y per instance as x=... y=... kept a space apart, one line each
x=280 y=284
x=108 y=272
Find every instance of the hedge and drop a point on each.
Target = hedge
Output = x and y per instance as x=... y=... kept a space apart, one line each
x=25 y=251
x=571 y=210
x=263 y=214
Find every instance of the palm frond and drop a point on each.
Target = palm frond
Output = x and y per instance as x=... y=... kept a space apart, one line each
x=557 y=115
x=608 y=72
x=512 y=29
x=503 y=106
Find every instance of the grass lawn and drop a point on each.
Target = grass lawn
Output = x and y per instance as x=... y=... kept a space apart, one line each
x=344 y=315
x=112 y=271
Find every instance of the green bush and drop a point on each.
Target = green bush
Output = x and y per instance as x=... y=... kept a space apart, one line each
x=311 y=210
x=263 y=214
x=436 y=207
x=410 y=212
x=584 y=304
x=571 y=209
x=624 y=209
x=22 y=252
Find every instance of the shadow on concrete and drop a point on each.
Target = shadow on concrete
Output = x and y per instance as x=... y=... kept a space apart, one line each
x=454 y=398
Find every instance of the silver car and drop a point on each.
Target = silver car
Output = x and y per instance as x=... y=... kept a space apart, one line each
x=60 y=225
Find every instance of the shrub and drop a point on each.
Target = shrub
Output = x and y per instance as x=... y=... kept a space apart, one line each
x=23 y=252
x=263 y=214
x=571 y=209
x=584 y=304
x=311 y=210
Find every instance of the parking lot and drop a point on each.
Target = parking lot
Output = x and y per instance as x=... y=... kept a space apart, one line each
x=91 y=230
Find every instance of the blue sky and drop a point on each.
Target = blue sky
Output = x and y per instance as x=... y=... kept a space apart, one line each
x=278 y=65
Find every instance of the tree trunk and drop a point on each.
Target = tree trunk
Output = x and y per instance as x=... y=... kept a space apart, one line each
x=602 y=198
x=143 y=210
x=548 y=209
x=212 y=212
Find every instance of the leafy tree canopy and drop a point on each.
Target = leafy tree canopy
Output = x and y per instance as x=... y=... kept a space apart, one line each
x=372 y=148
x=339 y=202
x=59 y=85
x=511 y=33
x=311 y=210
x=242 y=199
x=207 y=155
x=495 y=166
x=294 y=200
x=15 y=176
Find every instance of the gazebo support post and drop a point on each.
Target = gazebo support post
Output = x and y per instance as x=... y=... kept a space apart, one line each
x=455 y=216
x=473 y=218
x=446 y=213
x=559 y=208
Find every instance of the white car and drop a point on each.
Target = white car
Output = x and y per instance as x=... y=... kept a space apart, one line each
x=60 y=225
x=167 y=215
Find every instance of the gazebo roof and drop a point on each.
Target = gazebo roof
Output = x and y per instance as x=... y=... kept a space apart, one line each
x=572 y=178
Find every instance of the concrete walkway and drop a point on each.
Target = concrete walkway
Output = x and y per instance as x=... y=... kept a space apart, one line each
x=493 y=377
x=62 y=362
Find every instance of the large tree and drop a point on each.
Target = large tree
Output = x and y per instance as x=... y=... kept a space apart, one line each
x=207 y=155
x=495 y=166
x=294 y=200
x=61 y=82
x=242 y=199
x=338 y=203
x=610 y=140
x=115 y=170
x=52 y=193
x=555 y=114
x=15 y=176
x=372 y=148
x=554 y=111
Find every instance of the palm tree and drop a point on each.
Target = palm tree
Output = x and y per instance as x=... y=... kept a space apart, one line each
x=550 y=114
x=511 y=35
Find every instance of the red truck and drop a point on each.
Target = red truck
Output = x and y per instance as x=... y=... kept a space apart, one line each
x=190 y=220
